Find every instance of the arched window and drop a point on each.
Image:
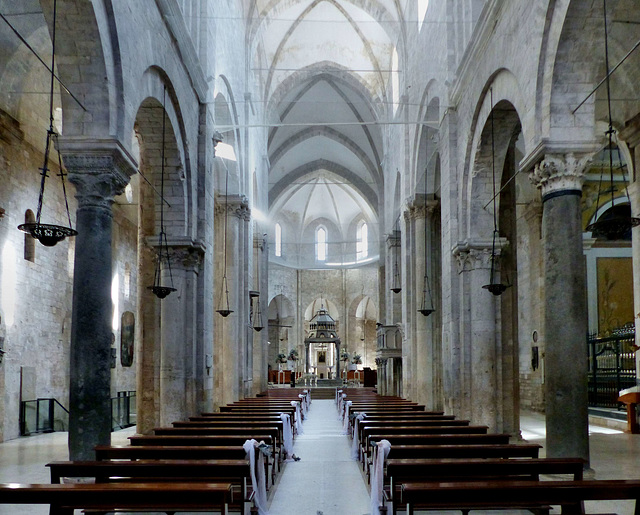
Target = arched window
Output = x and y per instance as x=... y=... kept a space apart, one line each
x=422 y=11
x=29 y=241
x=321 y=244
x=278 y=240
x=362 y=241
x=395 y=80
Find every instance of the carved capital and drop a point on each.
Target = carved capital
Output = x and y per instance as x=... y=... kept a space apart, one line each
x=476 y=255
x=236 y=205
x=99 y=169
x=560 y=172
x=184 y=254
x=381 y=362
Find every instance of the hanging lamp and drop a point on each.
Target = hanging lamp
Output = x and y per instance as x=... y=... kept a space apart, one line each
x=50 y=234
x=158 y=289
x=255 y=317
x=494 y=287
x=616 y=226
x=426 y=308
x=396 y=287
x=224 y=310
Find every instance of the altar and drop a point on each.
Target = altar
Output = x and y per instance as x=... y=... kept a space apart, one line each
x=322 y=347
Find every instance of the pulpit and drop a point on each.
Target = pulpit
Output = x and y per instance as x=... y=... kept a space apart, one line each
x=631 y=397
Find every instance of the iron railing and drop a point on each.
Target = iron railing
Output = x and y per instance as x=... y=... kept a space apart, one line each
x=47 y=415
x=612 y=366
x=43 y=416
x=123 y=410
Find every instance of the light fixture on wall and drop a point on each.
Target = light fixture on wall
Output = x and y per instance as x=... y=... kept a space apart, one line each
x=158 y=289
x=50 y=234
x=494 y=287
x=396 y=287
x=224 y=310
x=426 y=308
x=612 y=227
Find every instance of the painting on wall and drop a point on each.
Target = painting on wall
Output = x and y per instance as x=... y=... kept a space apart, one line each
x=127 y=334
x=615 y=293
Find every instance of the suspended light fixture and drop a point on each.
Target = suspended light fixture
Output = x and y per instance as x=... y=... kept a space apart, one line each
x=494 y=287
x=224 y=309
x=397 y=284
x=255 y=316
x=612 y=227
x=158 y=289
x=49 y=234
x=426 y=308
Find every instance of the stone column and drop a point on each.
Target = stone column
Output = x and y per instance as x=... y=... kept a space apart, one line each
x=100 y=170
x=481 y=355
x=307 y=358
x=409 y=295
x=560 y=179
x=337 y=344
x=180 y=374
x=230 y=339
x=424 y=351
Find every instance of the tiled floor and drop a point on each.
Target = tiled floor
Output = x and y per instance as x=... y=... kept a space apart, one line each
x=326 y=480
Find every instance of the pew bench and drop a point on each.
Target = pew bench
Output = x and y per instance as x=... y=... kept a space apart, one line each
x=162 y=452
x=399 y=471
x=109 y=497
x=235 y=472
x=481 y=495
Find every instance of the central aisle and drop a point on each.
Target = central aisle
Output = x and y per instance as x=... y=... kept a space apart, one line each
x=325 y=480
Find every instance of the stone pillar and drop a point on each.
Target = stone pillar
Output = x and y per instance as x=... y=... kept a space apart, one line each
x=411 y=373
x=230 y=335
x=338 y=359
x=100 y=170
x=481 y=356
x=381 y=364
x=307 y=357
x=180 y=374
x=560 y=179
x=424 y=352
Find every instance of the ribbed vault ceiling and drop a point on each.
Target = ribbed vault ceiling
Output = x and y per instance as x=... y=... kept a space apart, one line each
x=325 y=68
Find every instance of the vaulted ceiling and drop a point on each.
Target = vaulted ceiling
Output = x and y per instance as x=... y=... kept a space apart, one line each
x=325 y=68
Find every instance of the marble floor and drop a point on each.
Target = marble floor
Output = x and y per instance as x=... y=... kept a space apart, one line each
x=325 y=480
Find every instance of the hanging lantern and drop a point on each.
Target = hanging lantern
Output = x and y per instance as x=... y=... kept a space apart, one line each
x=255 y=316
x=397 y=281
x=158 y=289
x=616 y=224
x=224 y=310
x=50 y=234
x=426 y=308
x=494 y=287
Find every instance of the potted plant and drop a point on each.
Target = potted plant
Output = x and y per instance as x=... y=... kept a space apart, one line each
x=344 y=355
x=282 y=358
x=293 y=355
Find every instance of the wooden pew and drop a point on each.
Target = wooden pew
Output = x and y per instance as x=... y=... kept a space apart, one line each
x=430 y=470
x=570 y=495
x=165 y=497
x=162 y=452
x=464 y=451
x=236 y=472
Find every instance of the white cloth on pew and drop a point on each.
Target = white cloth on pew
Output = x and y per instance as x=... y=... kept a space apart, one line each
x=338 y=392
x=303 y=402
x=299 y=429
x=355 y=445
x=287 y=434
x=345 y=417
x=341 y=406
x=307 y=394
x=377 y=475
x=258 y=484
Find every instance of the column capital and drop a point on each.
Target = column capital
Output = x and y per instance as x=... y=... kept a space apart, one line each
x=476 y=255
x=422 y=206
x=558 y=173
x=99 y=169
x=235 y=204
x=186 y=254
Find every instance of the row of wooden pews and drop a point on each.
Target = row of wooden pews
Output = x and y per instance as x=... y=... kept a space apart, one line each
x=223 y=461
x=420 y=460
